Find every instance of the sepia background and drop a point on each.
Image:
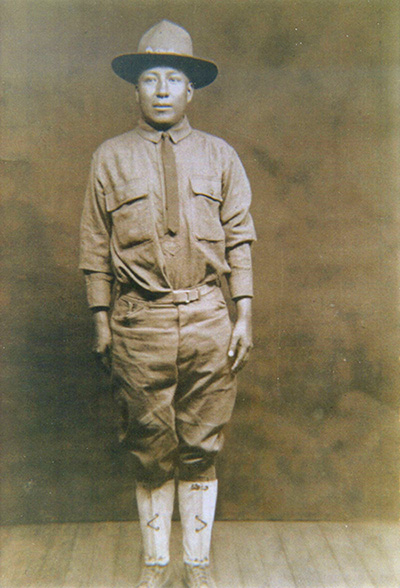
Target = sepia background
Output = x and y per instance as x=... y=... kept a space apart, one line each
x=308 y=96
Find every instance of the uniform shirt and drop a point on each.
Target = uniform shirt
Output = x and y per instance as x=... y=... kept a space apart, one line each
x=123 y=231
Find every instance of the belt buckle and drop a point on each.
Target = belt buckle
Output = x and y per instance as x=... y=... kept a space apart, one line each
x=185 y=296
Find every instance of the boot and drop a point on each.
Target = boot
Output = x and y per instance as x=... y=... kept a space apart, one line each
x=154 y=577
x=197 y=576
x=197 y=501
x=155 y=508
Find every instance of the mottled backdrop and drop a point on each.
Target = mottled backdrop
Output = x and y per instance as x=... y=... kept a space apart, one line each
x=307 y=95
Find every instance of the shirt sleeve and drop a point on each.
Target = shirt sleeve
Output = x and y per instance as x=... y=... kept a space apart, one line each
x=235 y=210
x=98 y=289
x=240 y=279
x=238 y=226
x=95 y=233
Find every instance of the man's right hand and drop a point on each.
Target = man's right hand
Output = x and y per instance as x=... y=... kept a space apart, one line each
x=102 y=338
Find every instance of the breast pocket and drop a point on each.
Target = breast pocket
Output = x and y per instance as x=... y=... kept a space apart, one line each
x=129 y=206
x=207 y=199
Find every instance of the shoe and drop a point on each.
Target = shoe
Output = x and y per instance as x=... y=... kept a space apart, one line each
x=197 y=577
x=154 y=577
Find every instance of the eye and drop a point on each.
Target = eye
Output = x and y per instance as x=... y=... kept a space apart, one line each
x=148 y=79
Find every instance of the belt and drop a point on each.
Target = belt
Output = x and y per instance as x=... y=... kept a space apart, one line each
x=175 y=296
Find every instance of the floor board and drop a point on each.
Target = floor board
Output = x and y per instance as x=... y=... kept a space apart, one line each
x=373 y=554
x=390 y=538
x=300 y=560
x=268 y=544
x=244 y=555
x=249 y=557
x=322 y=556
x=34 y=556
x=56 y=560
x=104 y=555
x=80 y=563
x=225 y=562
x=347 y=557
x=127 y=560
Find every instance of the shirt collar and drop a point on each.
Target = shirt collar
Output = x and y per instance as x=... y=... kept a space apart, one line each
x=178 y=132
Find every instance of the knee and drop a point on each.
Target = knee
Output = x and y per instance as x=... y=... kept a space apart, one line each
x=196 y=463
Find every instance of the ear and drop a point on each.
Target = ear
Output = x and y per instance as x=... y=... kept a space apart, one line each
x=137 y=94
x=190 y=91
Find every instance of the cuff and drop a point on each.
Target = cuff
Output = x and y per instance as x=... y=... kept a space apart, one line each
x=98 y=289
x=240 y=284
x=240 y=279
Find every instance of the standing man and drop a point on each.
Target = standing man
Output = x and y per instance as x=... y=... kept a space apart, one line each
x=166 y=215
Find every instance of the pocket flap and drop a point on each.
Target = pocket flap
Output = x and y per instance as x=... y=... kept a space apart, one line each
x=135 y=189
x=206 y=187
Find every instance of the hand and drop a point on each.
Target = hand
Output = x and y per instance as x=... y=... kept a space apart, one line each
x=241 y=340
x=102 y=339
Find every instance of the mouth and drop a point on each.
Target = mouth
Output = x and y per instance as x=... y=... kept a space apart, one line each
x=161 y=107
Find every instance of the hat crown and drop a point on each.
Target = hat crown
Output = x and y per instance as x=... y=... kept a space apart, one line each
x=166 y=37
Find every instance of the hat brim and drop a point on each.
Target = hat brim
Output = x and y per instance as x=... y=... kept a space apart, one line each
x=199 y=71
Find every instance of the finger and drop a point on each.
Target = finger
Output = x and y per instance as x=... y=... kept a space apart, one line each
x=241 y=358
x=233 y=346
x=103 y=358
x=106 y=363
x=239 y=365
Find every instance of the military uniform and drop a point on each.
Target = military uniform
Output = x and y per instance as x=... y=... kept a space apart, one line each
x=156 y=368
x=170 y=325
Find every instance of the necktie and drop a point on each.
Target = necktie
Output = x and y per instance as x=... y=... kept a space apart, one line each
x=171 y=184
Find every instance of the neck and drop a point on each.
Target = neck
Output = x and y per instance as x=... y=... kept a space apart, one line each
x=162 y=126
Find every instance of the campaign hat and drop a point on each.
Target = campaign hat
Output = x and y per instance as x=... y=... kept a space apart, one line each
x=166 y=43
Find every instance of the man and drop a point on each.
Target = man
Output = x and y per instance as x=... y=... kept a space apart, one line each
x=166 y=214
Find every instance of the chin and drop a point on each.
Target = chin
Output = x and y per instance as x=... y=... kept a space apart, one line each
x=162 y=122
x=165 y=120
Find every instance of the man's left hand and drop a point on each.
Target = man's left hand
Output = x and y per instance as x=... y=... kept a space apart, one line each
x=241 y=340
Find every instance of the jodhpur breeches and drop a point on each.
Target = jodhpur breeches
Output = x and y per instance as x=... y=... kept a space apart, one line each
x=172 y=381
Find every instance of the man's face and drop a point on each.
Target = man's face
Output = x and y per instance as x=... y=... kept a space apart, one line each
x=163 y=94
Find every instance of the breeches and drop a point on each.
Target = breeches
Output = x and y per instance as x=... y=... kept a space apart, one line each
x=173 y=384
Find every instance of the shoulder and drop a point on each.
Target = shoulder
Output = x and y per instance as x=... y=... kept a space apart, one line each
x=213 y=148
x=211 y=140
x=115 y=145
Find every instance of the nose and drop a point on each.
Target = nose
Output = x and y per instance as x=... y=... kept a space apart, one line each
x=162 y=87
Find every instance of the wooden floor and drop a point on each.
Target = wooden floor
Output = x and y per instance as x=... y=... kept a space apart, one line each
x=245 y=554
